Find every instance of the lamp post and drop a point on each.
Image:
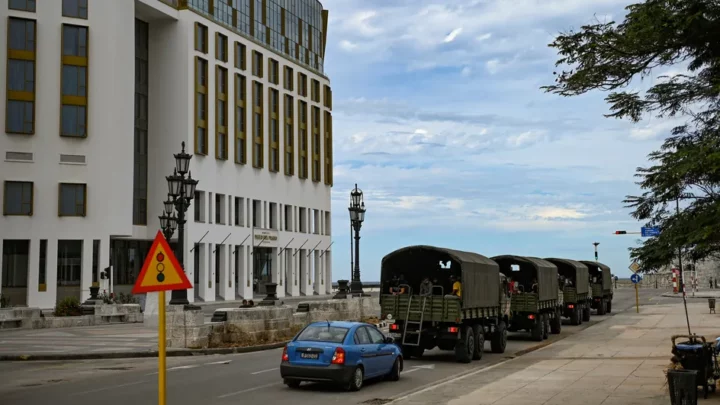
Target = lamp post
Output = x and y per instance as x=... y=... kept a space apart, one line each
x=357 y=217
x=596 y=245
x=181 y=191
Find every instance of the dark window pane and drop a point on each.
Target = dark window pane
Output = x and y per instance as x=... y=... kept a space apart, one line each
x=73 y=120
x=21 y=75
x=74 y=41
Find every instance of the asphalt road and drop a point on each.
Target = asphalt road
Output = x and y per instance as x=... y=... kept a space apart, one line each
x=233 y=378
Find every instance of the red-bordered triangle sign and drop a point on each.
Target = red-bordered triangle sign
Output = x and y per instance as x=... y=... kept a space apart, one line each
x=161 y=270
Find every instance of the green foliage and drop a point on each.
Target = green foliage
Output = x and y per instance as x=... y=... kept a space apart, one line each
x=120 y=298
x=68 y=306
x=685 y=172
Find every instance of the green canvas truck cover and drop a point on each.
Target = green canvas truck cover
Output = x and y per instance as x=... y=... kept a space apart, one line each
x=574 y=269
x=529 y=268
x=595 y=267
x=480 y=276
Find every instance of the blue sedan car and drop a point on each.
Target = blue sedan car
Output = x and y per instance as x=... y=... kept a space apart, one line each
x=345 y=353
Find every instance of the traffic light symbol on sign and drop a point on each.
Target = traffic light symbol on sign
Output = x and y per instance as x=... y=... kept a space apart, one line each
x=160 y=267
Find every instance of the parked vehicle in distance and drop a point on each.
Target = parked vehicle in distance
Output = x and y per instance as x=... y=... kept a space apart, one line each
x=575 y=285
x=417 y=284
x=344 y=353
x=601 y=284
x=536 y=303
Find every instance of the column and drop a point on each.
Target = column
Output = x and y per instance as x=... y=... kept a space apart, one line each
x=86 y=271
x=50 y=297
x=225 y=288
x=279 y=271
x=33 y=294
x=205 y=280
x=303 y=271
x=317 y=269
x=245 y=279
x=328 y=272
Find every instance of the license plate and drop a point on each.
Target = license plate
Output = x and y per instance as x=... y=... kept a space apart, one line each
x=312 y=356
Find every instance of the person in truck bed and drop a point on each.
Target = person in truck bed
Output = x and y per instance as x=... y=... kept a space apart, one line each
x=426 y=287
x=456 y=287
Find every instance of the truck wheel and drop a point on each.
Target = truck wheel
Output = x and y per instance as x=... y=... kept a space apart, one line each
x=575 y=317
x=586 y=314
x=546 y=327
x=479 y=342
x=498 y=342
x=601 y=307
x=609 y=306
x=536 y=333
x=556 y=323
x=465 y=347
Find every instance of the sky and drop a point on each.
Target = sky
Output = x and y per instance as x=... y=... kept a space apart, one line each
x=440 y=120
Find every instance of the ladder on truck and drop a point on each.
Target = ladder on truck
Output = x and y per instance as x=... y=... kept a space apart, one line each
x=408 y=322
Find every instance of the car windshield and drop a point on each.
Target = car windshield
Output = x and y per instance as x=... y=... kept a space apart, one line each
x=323 y=333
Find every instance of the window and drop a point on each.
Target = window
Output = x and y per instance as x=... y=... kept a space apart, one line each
x=361 y=337
x=140 y=141
x=15 y=266
x=201 y=106
x=274 y=71
x=75 y=8
x=302 y=140
x=328 y=149
x=69 y=262
x=327 y=99
x=221 y=113
x=240 y=119
x=315 y=90
x=302 y=84
x=239 y=211
x=18 y=198
x=240 y=56
x=256 y=220
x=258 y=141
x=220 y=209
x=23 y=5
x=288 y=78
x=274 y=130
x=375 y=335
x=201 y=38
x=20 y=106
x=95 y=260
x=323 y=333
x=221 y=47
x=42 y=266
x=288 y=218
x=315 y=143
x=72 y=200
x=289 y=136
x=257 y=64
x=74 y=81
x=273 y=216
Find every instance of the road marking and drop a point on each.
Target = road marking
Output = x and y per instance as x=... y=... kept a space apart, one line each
x=219 y=362
x=107 y=388
x=423 y=367
x=249 y=390
x=265 y=371
x=182 y=367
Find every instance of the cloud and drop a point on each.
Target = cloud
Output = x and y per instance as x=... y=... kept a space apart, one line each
x=347 y=45
x=452 y=35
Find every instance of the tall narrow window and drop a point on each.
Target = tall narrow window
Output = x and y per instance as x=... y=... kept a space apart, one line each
x=240 y=119
x=302 y=84
x=274 y=130
x=20 y=106
x=221 y=47
x=240 y=56
x=140 y=155
x=288 y=78
x=221 y=113
x=315 y=143
x=327 y=99
x=274 y=71
x=201 y=106
x=315 y=91
x=42 y=266
x=201 y=38
x=22 y=5
x=74 y=81
x=328 y=149
x=289 y=136
x=18 y=198
x=302 y=140
x=257 y=64
x=75 y=8
x=257 y=124
x=72 y=200
x=95 y=260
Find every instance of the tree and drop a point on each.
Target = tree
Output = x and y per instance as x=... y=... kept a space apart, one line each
x=685 y=171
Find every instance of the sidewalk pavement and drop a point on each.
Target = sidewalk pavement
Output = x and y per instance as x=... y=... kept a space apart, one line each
x=620 y=361
x=700 y=294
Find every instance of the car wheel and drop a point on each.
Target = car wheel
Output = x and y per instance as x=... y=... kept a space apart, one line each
x=395 y=372
x=356 y=380
x=292 y=383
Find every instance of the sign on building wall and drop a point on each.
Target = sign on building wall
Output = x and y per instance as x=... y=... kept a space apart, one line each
x=265 y=237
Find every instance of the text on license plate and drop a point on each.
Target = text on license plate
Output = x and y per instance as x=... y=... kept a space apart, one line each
x=312 y=356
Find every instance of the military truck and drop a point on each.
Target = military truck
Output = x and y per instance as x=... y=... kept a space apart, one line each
x=577 y=300
x=601 y=285
x=461 y=324
x=536 y=303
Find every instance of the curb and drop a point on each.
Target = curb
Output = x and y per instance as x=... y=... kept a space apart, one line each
x=145 y=354
x=689 y=296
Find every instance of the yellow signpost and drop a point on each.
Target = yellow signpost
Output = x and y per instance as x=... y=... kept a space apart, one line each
x=166 y=275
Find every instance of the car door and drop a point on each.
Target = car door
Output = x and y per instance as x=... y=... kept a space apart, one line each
x=368 y=352
x=384 y=350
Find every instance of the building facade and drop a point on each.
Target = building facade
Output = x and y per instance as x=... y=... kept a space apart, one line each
x=99 y=94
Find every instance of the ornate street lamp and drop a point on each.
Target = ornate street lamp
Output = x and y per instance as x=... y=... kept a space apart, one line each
x=357 y=217
x=181 y=191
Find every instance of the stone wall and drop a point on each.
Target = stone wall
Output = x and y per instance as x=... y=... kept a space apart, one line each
x=32 y=318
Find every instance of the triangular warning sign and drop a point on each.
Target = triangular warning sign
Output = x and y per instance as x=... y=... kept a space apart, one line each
x=161 y=270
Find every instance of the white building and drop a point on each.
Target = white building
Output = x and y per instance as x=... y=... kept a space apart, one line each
x=101 y=93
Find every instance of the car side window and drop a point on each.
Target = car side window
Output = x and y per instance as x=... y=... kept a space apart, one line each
x=361 y=337
x=375 y=335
